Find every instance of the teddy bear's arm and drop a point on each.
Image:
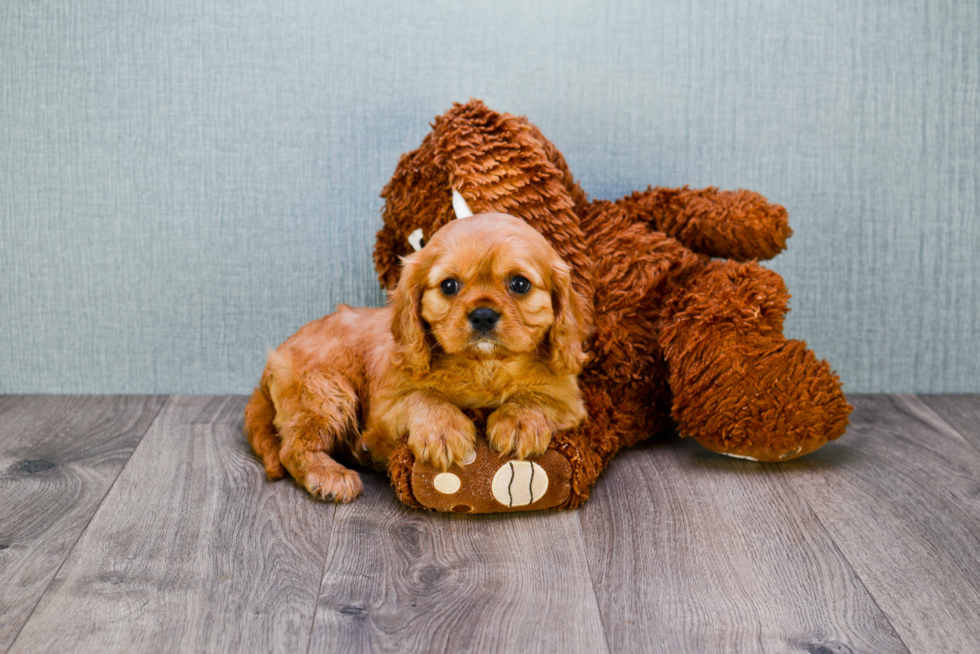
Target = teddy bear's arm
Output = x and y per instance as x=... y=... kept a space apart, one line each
x=740 y=225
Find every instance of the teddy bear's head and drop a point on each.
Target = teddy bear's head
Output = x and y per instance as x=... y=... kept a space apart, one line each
x=497 y=163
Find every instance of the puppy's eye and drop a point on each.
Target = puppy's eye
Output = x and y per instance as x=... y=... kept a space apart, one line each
x=520 y=285
x=415 y=240
x=449 y=286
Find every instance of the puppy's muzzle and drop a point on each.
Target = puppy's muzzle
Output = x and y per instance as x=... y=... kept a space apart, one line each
x=483 y=319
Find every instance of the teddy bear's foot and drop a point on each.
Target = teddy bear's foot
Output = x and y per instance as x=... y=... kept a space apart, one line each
x=494 y=483
x=776 y=407
x=739 y=386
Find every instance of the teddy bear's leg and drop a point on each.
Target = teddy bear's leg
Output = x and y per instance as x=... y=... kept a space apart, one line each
x=561 y=478
x=740 y=225
x=739 y=386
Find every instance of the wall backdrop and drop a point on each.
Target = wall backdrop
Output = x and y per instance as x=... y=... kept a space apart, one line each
x=184 y=183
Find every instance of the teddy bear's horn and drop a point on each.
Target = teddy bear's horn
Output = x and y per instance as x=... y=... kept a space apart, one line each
x=460 y=207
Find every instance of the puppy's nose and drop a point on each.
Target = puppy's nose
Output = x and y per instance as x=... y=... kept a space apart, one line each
x=483 y=319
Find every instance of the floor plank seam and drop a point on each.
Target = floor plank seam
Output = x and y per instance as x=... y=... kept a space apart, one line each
x=319 y=589
x=41 y=597
x=970 y=442
x=595 y=593
x=840 y=552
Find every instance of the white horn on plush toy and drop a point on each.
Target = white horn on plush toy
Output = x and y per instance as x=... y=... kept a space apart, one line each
x=459 y=206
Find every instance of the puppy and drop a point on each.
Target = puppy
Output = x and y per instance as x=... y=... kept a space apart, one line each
x=484 y=315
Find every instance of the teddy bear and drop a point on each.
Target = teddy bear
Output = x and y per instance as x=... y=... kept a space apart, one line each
x=687 y=326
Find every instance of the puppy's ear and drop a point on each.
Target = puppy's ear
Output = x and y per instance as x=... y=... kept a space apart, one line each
x=569 y=328
x=411 y=346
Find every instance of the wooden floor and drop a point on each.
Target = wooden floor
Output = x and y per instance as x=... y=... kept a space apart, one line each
x=144 y=524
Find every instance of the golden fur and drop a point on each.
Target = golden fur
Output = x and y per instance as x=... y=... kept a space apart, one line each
x=359 y=380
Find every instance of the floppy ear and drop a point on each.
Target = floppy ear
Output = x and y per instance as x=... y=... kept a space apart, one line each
x=388 y=249
x=569 y=328
x=411 y=347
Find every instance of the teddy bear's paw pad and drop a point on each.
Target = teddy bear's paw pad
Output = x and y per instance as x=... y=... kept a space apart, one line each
x=519 y=483
x=760 y=454
x=739 y=456
x=446 y=483
x=494 y=483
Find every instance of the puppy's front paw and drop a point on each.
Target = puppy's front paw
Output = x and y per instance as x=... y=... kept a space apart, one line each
x=441 y=436
x=333 y=483
x=522 y=431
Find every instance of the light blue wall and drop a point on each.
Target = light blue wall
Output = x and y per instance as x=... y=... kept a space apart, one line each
x=185 y=182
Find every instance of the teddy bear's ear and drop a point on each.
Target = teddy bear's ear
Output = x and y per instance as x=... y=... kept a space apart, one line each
x=460 y=208
x=389 y=248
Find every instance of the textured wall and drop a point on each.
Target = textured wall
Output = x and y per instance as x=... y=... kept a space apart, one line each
x=184 y=183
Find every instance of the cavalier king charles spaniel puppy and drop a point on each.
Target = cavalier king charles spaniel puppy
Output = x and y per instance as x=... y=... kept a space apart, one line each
x=484 y=315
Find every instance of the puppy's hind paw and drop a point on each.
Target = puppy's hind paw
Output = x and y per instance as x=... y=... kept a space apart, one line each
x=340 y=486
x=273 y=467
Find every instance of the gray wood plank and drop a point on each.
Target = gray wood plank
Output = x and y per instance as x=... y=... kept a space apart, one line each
x=192 y=550
x=962 y=412
x=900 y=494
x=694 y=552
x=400 y=580
x=58 y=458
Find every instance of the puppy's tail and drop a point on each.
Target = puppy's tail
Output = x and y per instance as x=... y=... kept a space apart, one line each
x=261 y=432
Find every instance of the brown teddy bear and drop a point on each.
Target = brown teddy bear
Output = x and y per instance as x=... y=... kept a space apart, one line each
x=687 y=326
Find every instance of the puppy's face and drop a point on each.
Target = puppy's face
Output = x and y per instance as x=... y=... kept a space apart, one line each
x=488 y=290
x=489 y=286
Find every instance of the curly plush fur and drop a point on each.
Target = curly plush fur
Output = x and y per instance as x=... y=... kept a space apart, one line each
x=688 y=327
